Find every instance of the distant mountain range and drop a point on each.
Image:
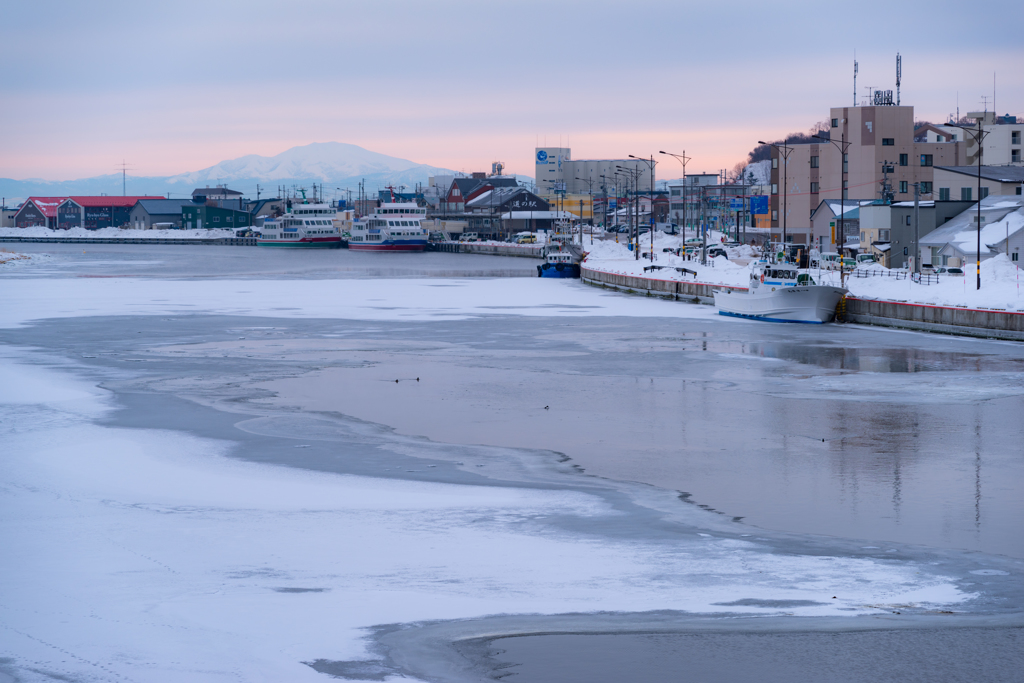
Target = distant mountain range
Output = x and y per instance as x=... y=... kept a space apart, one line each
x=335 y=164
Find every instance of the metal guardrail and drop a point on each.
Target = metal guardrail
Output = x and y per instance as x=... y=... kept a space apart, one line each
x=920 y=278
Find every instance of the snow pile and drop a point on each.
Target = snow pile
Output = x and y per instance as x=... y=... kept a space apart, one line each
x=611 y=257
x=11 y=257
x=40 y=231
x=1000 y=287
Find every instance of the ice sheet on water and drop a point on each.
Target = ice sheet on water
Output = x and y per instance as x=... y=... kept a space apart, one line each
x=254 y=569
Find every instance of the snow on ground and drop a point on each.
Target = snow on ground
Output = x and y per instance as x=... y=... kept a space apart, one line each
x=39 y=231
x=615 y=257
x=1000 y=278
x=136 y=554
x=1000 y=287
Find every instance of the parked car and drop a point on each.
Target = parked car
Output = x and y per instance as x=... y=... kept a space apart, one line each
x=715 y=251
x=944 y=270
x=526 y=239
x=469 y=237
x=828 y=260
x=863 y=259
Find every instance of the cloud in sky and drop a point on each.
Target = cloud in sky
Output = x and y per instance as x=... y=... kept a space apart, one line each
x=174 y=87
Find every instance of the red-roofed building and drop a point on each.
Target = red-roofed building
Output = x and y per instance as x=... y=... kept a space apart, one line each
x=90 y=212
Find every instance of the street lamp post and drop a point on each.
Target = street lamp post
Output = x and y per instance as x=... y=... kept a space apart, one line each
x=634 y=175
x=784 y=150
x=682 y=159
x=650 y=164
x=842 y=146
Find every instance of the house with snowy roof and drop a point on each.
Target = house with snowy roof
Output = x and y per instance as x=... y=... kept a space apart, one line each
x=825 y=224
x=956 y=242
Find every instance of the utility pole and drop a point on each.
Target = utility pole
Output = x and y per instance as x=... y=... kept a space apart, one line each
x=979 y=137
x=917 y=229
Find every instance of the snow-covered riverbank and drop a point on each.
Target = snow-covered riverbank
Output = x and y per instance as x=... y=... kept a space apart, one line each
x=1000 y=278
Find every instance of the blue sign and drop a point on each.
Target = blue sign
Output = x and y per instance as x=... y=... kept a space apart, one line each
x=759 y=204
x=542 y=156
x=735 y=204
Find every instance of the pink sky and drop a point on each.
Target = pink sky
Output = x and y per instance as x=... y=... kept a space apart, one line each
x=461 y=84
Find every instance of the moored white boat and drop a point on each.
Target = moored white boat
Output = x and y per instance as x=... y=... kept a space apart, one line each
x=779 y=292
x=391 y=227
x=304 y=226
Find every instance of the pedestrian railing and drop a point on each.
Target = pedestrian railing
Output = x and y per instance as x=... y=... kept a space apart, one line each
x=920 y=278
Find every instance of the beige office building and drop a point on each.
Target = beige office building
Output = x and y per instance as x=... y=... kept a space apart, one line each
x=879 y=138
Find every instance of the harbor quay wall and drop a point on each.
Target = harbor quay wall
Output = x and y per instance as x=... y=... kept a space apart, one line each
x=235 y=241
x=677 y=290
x=523 y=250
x=955 y=320
x=958 y=320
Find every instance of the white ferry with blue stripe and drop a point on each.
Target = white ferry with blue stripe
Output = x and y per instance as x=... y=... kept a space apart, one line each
x=781 y=292
x=304 y=226
x=395 y=226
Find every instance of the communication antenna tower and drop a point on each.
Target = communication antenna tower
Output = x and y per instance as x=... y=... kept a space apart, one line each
x=899 y=76
x=856 y=67
x=123 y=168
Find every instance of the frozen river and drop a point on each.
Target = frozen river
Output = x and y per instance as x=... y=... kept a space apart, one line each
x=461 y=445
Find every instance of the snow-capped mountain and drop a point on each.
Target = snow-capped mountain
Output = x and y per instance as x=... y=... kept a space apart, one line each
x=324 y=162
x=333 y=164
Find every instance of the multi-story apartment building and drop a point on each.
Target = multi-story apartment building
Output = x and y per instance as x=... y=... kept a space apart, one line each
x=879 y=142
x=557 y=171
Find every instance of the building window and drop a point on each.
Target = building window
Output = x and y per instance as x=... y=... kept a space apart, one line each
x=216 y=219
x=926 y=187
x=984 y=192
x=943 y=194
x=775 y=214
x=888 y=142
x=846 y=163
x=965 y=194
x=1013 y=256
x=926 y=159
x=1019 y=190
x=814 y=188
x=1015 y=155
x=904 y=159
x=775 y=162
x=814 y=162
x=775 y=188
x=903 y=187
x=1014 y=137
x=835 y=123
x=883 y=235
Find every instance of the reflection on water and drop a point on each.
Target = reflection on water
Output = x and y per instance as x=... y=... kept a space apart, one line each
x=883 y=359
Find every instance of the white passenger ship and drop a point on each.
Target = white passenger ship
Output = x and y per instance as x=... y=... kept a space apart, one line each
x=305 y=225
x=779 y=292
x=391 y=227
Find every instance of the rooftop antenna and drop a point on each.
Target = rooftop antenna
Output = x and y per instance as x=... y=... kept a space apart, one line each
x=984 y=101
x=856 y=68
x=899 y=76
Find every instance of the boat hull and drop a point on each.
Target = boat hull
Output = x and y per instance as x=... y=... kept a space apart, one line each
x=568 y=270
x=319 y=243
x=815 y=304
x=399 y=246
